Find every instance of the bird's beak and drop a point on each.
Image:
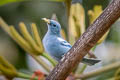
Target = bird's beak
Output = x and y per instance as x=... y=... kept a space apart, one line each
x=46 y=20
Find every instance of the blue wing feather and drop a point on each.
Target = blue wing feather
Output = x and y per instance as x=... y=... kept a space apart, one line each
x=65 y=43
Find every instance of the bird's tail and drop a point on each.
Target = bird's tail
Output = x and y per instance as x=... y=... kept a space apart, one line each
x=89 y=61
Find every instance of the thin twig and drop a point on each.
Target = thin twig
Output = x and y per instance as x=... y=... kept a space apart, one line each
x=49 y=58
x=40 y=61
x=25 y=76
x=99 y=71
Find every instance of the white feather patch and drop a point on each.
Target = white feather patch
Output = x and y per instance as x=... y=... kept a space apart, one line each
x=63 y=41
x=60 y=39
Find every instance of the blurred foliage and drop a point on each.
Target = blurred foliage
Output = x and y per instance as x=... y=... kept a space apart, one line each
x=7 y=69
x=93 y=14
x=114 y=35
x=76 y=22
x=117 y=74
x=3 y=2
x=90 y=6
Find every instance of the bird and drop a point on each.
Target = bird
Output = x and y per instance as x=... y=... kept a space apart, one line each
x=56 y=46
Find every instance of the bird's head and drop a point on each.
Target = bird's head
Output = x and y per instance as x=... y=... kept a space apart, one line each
x=53 y=26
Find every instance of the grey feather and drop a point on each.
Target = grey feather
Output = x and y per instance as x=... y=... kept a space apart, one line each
x=90 y=61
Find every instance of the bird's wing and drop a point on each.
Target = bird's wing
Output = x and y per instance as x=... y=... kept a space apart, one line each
x=64 y=43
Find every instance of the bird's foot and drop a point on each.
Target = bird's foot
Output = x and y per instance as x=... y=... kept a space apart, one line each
x=91 y=54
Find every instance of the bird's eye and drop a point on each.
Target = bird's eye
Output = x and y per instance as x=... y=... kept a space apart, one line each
x=54 y=25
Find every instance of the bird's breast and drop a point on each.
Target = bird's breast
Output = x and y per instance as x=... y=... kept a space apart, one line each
x=52 y=46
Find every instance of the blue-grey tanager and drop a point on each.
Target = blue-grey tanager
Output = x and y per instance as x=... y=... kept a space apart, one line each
x=56 y=46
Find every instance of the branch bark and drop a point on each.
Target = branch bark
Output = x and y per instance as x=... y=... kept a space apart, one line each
x=86 y=41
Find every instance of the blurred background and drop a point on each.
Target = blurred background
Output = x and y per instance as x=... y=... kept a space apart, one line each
x=28 y=11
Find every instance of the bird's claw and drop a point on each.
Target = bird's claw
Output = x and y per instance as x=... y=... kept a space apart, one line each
x=91 y=55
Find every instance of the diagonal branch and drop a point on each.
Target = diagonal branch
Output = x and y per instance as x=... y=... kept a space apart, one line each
x=86 y=41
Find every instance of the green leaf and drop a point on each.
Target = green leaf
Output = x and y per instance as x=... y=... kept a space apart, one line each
x=4 y=2
x=54 y=0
